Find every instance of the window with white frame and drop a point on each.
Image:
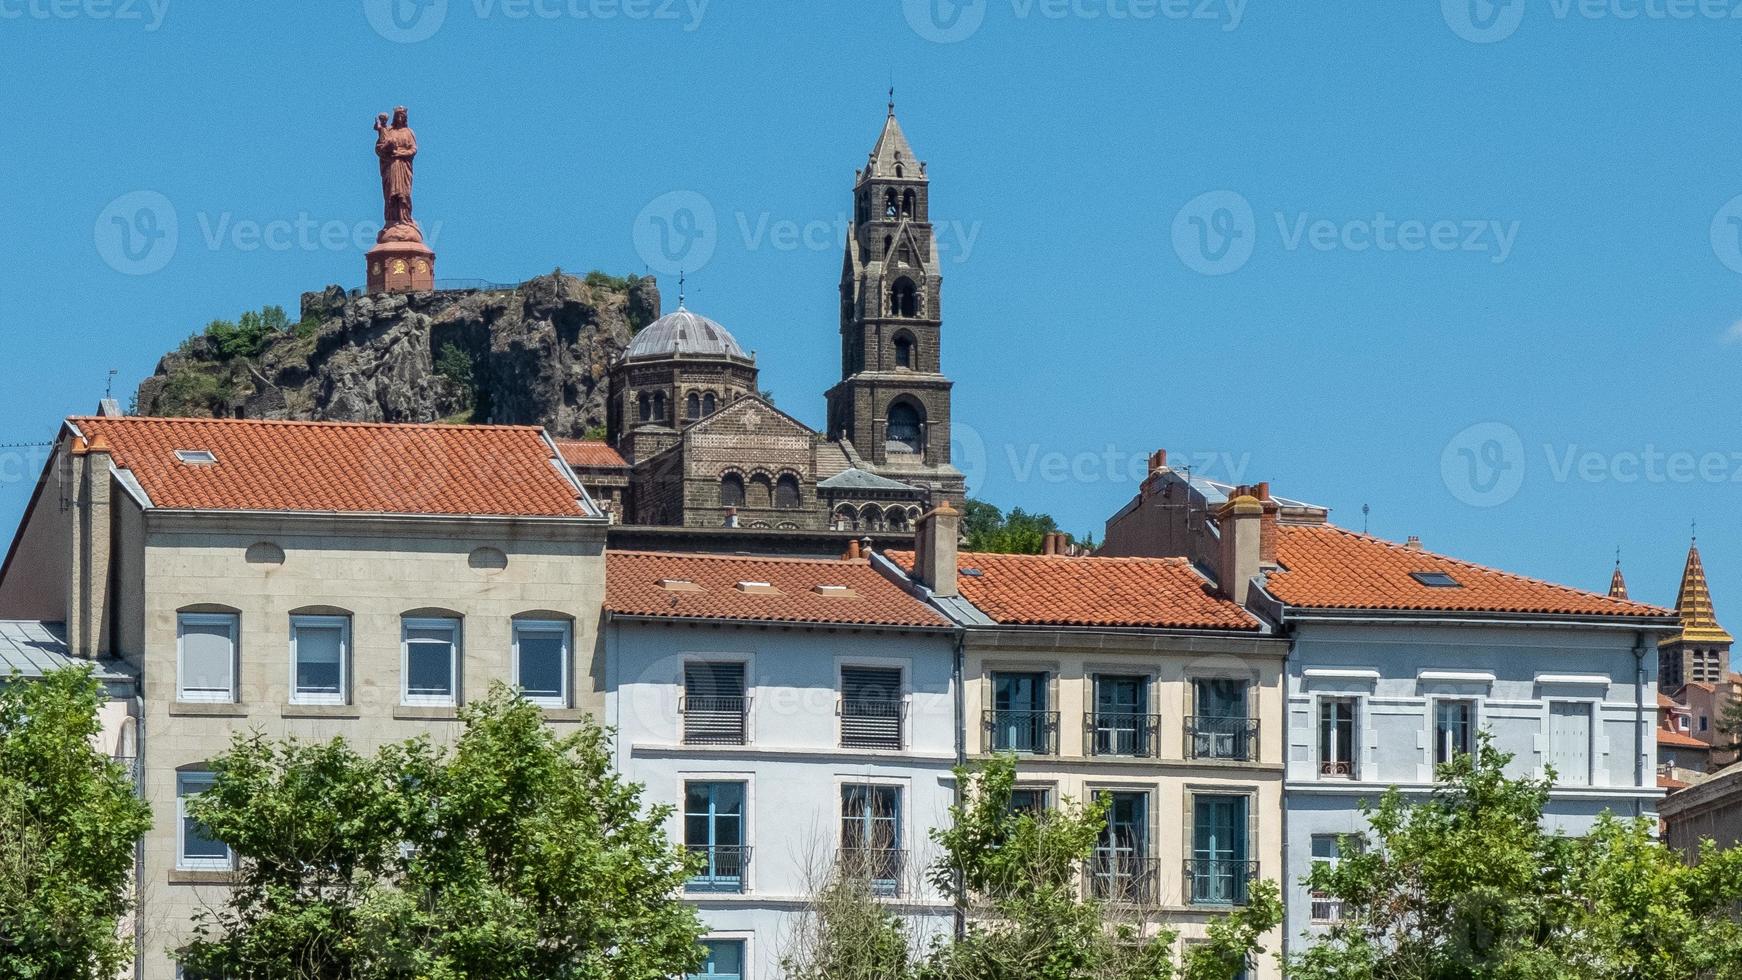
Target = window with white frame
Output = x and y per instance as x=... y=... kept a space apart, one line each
x=1327 y=850
x=1337 y=738
x=196 y=850
x=1454 y=729
x=541 y=662
x=206 y=656
x=320 y=654
x=430 y=667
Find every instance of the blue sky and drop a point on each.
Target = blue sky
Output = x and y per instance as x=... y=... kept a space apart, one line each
x=1470 y=265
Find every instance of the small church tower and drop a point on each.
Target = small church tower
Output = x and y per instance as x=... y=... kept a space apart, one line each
x=1700 y=652
x=892 y=405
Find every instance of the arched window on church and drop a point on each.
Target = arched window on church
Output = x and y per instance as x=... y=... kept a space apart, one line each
x=659 y=407
x=870 y=518
x=846 y=519
x=907 y=201
x=905 y=432
x=760 y=493
x=904 y=298
x=900 y=171
x=904 y=350
x=731 y=490
x=896 y=519
x=692 y=407
x=888 y=246
x=889 y=205
x=786 y=492
x=710 y=404
x=646 y=407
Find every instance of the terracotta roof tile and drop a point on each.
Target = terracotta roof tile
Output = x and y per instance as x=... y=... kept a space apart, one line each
x=632 y=587
x=1679 y=740
x=1045 y=590
x=1668 y=782
x=1328 y=567
x=342 y=467
x=591 y=455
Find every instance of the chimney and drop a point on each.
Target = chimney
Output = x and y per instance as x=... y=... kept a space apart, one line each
x=1241 y=520
x=1157 y=461
x=1267 y=528
x=1050 y=544
x=87 y=626
x=1413 y=544
x=852 y=551
x=934 y=550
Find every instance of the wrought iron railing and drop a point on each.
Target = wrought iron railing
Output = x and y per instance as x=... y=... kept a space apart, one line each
x=1121 y=734
x=1219 y=882
x=1222 y=737
x=1026 y=732
x=882 y=868
x=723 y=870
x=1337 y=768
x=1124 y=876
x=713 y=720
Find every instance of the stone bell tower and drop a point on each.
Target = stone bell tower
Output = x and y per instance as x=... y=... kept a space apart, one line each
x=893 y=401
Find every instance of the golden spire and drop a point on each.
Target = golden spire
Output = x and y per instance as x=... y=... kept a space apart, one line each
x=1617 y=584
x=1694 y=604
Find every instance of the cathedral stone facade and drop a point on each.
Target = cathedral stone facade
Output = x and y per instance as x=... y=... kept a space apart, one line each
x=703 y=448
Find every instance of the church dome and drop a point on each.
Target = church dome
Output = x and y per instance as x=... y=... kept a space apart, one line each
x=684 y=333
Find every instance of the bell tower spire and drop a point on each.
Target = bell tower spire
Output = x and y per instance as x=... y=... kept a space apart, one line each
x=1701 y=651
x=892 y=405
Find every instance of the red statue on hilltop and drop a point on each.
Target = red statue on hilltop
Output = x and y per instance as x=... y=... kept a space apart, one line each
x=400 y=262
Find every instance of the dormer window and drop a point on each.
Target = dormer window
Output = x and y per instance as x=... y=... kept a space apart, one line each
x=1436 y=580
x=196 y=457
x=758 y=588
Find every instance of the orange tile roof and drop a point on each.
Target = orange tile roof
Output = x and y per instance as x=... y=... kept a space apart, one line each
x=1328 y=567
x=1046 y=590
x=632 y=587
x=1668 y=782
x=343 y=467
x=1665 y=701
x=591 y=455
x=1679 y=740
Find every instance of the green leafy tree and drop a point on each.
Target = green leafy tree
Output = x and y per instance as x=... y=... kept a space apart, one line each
x=251 y=334
x=1018 y=878
x=69 y=823
x=517 y=853
x=1018 y=533
x=1730 y=724
x=1467 y=883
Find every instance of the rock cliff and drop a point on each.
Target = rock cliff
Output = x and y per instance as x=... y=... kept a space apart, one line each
x=534 y=354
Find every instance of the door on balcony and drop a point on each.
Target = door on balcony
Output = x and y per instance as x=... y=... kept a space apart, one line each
x=1122 y=854
x=1220 y=726
x=714 y=831
x=1569 y=736
x=1121 y=724
x=1019 y=720
x=871 y=835
x=713 y=704
x=1219 y=852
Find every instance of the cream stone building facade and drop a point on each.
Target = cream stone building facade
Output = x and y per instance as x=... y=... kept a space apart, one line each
x=309 y=580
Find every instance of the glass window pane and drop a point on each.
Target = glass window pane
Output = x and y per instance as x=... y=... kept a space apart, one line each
x=541 y=663
x=208 y=656
x=429 y=661
x=319 y=659
x=196 y=845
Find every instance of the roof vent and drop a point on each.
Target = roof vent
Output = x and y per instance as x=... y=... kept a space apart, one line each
x=972 y=572
x=836 y=591
x=758 y=588
x=1436 y=580
x=196 y=457
x=679 y=585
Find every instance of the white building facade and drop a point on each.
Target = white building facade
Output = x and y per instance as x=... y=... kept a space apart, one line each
x=797 y=716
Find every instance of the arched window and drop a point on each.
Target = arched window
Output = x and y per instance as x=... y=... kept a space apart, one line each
x=731 y=490
x=901 y=171
x=760 y=493
x=692 y=407
x=888 y=245
x=904 y=298
x=846 y=519
x=646 y=407
x=903 y=350
x=871 y=519
x=906 y=428
x=786 y=492
x=889 y=205
x=709 y=404
x=907 y=201
x=896 y=519
x=659 y=407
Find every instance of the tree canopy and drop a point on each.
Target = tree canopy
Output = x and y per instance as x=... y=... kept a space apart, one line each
x=1018 y=533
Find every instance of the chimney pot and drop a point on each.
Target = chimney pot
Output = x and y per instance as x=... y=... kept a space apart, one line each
x=934 y=551
x=1413 y=544
x=853 y=553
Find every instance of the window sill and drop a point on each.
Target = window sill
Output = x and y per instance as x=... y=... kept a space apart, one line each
x=426 y=712
x=341 y=711
x=566 y=714
x=208 y=709
x=211 y=877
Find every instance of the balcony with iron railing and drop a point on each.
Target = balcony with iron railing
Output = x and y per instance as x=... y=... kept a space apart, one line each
x=1229 y=738
x=1023 y=732
x=1325 y=908
x=1124 y=876
x=872 y=723
x=714 y=720
x=883 y=868
x=1219 y=882
x=724 y=869
x=1121 y=734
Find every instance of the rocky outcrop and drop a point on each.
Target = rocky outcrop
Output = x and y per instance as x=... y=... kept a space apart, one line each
x=536 y=354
